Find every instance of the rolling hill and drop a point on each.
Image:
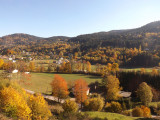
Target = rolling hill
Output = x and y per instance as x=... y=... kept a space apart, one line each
x=26 y=39
x=148 y=36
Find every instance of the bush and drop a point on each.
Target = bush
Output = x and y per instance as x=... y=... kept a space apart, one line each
x=39 y=107
x=56 y=109
x=94 y=104
x=114 y=107
x=146 y=111
x=141 y=112
x=126 y=112
x=137 y=112
x=70 y=106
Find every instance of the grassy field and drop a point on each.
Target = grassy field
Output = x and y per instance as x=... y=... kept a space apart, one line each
x=109 y=116
x=154 y=104
x=136 y=69
x=40 y=82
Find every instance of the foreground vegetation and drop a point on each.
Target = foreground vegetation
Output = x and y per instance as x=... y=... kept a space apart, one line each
x=109 y=116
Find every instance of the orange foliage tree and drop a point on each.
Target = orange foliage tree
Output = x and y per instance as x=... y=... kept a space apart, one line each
x=80 y=91
x=59 y=87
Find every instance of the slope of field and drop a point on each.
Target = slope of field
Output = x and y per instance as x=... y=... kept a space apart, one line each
x=109 y=116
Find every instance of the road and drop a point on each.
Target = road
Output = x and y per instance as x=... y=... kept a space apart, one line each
x=49 y=97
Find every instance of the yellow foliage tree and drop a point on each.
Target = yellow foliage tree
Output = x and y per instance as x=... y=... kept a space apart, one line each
x=31 y=66
x=70 y=106
x=143 y=70
x=112 y=87
x=88 y=66
x=39 y=107
x=154 y=72
x=1 y=62
x=94 y=104
x=145 y=94
x=13 y=104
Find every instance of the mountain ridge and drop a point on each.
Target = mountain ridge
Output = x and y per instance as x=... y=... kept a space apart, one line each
x=116 y=38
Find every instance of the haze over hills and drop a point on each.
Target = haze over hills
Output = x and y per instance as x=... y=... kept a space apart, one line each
x=148 y=36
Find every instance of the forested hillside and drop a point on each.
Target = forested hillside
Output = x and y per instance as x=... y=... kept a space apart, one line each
x=147 y=36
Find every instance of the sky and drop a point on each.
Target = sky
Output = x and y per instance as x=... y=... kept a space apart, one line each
x=46 y=18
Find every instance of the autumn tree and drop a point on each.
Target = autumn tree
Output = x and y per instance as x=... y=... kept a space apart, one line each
x=67 y=68
x=88 y=66
x=115 y=67
x=9 y=66
x=21 y=66
x=42 y=68
x=80 y=91
x=144 y=92
x=39 y=107
x=50 y=68
x=94 y=104
x=111 y=84
x=75 y=55
x=70 y=106
x=142 y=71
x=154 y=72
x=13 y=104
x=31 y=66
x=1 y=62
x=59 y=87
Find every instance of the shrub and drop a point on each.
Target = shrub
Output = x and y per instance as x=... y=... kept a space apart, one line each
x=137 y=112
x=94 y=104
x=56 y=109
x=13 y=104
x=146 y=111
x=70 y=106
x=126 y=112
x=141 y=112
x=114 y=107
x=39 y=107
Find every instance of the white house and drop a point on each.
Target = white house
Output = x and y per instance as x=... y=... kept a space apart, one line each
x=13 y=61
x=27 y=72
x=15 y=71
x=10 y=58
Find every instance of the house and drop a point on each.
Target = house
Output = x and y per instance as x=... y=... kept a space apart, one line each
x=10 y=58
x=125 y=94
x=13 y=61
x=27 y=72
x=15 y=71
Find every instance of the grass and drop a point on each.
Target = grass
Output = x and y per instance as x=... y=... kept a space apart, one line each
x=40 y=82
x=136 y=69
x=109 y=116
x=154 y=104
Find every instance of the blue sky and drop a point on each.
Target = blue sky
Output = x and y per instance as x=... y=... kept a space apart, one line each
x=48 y=18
